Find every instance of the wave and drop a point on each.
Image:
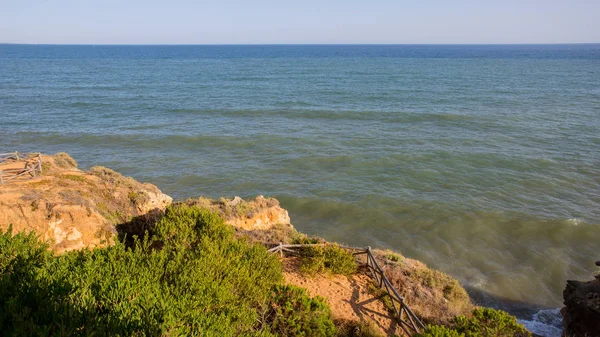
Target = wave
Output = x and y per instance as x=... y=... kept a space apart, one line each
x=546 y=323
x=318 y=114
x=163 y=142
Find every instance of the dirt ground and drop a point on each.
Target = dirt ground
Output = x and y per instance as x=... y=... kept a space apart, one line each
x=348 y=296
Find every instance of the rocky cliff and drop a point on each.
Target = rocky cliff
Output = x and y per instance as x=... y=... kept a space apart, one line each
x=581 y=313
x=73 y=209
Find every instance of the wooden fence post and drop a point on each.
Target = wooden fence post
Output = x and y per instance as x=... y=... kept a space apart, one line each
x=399 y=307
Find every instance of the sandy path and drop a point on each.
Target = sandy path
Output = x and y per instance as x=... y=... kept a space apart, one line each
x=348 y=296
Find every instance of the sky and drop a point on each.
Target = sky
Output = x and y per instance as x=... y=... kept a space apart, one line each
x=299 y=21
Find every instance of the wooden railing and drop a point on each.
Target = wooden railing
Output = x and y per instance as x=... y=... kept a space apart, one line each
x=32 y=165
x=407 y=320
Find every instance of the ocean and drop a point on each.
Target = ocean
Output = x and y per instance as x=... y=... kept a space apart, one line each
x=480 y=160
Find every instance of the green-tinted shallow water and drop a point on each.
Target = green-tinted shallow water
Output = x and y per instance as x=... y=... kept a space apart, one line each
x=482 y=161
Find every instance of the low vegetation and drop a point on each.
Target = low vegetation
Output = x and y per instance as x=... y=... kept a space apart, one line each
x=63 y=161
x=328 y=259
x=484 y=322
x=278 y=233
x=190 y=277
x=434 y=296
x=347 y=328
x=294 y=313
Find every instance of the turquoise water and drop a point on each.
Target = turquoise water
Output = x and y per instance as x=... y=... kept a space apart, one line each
x=482 y=161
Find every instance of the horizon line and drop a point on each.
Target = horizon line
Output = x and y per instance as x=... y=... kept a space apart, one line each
x=300 y=44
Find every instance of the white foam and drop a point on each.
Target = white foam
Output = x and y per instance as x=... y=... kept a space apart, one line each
x=546 y=322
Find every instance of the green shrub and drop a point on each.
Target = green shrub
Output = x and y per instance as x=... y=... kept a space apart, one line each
x=190 y=278
x=304 y=239
x=328 y=258
x=394 y=257
x=485 y=322
x=294 y=313
x=450 y=287
x=138 y=197
x=490 y=322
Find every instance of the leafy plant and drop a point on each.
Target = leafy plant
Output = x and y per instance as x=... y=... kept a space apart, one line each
x=294 y=313
x=189 y=277
x=392 y=256
x=328 y=258
x=138 y=197
x=485 y=322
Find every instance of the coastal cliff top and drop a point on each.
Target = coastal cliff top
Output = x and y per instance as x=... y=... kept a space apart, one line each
x=72 y=208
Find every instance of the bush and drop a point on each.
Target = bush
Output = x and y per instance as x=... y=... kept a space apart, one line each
x=138 y=198
x=191 y=277
x=294 y=313
x=329 y=258
x=485 y=322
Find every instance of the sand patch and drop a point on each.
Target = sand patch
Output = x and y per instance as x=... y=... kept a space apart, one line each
x=348 y=296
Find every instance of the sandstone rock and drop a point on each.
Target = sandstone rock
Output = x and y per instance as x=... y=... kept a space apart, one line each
x=259 y=213
x=236 y=201
x=581 y=313
x=73 y=209
x=262 y=213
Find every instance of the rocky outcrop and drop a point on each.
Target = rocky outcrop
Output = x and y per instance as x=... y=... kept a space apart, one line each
x=72 y=209
x=581 y=313
x=259 y=213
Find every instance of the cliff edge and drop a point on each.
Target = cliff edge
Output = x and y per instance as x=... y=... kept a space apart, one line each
x=72 y=208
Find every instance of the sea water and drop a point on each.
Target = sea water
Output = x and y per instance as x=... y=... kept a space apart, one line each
x=480 y=160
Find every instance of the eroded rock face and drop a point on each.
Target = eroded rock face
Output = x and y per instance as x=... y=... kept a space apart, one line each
x=581 y=313
x=73 y=209
x=262 y=213
x=259 y=213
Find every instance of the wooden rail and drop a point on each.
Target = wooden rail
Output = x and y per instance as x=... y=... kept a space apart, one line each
x=32 y=165
x=407 y=320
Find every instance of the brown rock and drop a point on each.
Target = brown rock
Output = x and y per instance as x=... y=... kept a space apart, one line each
x=262 y=214
x=259 y=213
x=72 y=209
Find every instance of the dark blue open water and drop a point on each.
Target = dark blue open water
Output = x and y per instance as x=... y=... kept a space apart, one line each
x=482 y=161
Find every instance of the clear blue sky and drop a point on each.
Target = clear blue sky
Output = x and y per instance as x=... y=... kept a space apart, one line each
x=298 y=21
